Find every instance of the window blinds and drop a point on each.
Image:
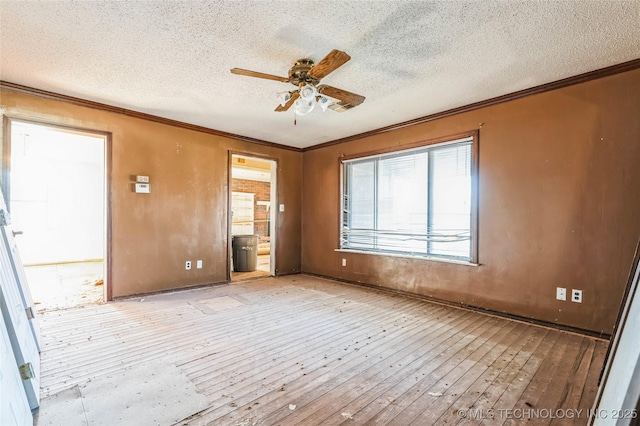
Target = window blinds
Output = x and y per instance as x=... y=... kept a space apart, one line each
x=416 y=201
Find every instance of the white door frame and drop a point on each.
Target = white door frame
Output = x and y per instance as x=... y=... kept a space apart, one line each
x=273 y=199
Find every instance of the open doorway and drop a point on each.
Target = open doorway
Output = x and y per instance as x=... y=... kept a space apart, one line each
x=253 y=197
x=55 y=183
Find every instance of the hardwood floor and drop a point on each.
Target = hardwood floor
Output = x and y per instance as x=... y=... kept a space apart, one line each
x=300 y=350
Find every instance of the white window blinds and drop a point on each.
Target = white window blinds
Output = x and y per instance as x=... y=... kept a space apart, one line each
x=416 y=201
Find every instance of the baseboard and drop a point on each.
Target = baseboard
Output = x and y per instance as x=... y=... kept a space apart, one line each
x=171 y=290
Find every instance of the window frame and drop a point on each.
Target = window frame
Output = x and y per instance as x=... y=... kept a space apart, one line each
x=474 y=136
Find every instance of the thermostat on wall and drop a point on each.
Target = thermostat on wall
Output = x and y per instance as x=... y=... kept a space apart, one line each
x=142 y=179
x=143 y=188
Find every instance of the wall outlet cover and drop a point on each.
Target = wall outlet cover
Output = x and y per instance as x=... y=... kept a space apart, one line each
x=576 y=296
x=187 y=265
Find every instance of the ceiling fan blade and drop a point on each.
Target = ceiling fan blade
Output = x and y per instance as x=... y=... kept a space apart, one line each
x=328 y=64
x=342 y=95
x=340 y=107
x=290 y=102
x=256 y=74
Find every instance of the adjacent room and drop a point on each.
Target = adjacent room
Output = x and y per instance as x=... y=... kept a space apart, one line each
x=252 y=188
x=294 y=213
x=56 y=191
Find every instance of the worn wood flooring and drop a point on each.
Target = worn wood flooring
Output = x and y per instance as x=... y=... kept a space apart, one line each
x=300 y=350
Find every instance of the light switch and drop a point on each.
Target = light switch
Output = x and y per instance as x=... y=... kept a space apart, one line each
x=281 y=207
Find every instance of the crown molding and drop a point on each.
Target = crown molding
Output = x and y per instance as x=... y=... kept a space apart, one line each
x=136 y=114
x=565 y=82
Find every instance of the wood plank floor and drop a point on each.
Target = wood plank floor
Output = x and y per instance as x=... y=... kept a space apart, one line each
x=300 y=350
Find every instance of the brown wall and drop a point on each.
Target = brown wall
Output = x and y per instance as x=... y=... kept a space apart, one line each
x=186 y=215
x=559 y=206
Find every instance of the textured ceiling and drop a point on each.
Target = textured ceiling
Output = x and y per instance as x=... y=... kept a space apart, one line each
x=410 y=59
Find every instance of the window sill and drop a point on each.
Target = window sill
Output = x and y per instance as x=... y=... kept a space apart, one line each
x=409 y=256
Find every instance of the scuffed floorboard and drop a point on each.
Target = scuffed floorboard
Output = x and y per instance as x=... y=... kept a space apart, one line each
x=307 y=351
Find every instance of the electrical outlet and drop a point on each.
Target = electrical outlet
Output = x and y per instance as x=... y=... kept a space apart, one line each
x=199 y=264
x=561 y=293
x=187 y=265
x=576 y=296
x=344 y=262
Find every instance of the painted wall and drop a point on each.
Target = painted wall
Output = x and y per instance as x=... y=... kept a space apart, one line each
x=558 y=206
x=185 y=216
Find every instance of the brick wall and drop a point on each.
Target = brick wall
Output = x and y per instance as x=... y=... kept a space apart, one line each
x=262 y=191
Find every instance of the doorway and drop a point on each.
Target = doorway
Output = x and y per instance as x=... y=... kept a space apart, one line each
x=252 y=198
x=54 y=180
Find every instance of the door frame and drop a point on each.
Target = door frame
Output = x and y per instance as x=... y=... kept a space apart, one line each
x=273 y=270
x=7 y=123
x=619 y=387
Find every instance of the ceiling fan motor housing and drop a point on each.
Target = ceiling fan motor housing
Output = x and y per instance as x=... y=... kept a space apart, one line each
x=299 y=73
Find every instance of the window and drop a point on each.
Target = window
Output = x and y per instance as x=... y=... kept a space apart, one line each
x=418 y=201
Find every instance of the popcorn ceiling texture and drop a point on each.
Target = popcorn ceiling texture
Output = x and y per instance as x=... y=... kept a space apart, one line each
x=409 y=59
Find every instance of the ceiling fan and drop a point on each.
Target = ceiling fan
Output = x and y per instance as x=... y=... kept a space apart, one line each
x=306 y=75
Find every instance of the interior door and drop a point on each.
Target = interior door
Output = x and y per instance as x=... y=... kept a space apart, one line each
x=20 y=329
x=9 y=241
x=14 y=407
x=24 y=345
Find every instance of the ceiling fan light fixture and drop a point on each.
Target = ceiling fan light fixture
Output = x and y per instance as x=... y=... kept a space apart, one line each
x=284 y=97
x=304 y=106
x=308 y=92
x=323 y=102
